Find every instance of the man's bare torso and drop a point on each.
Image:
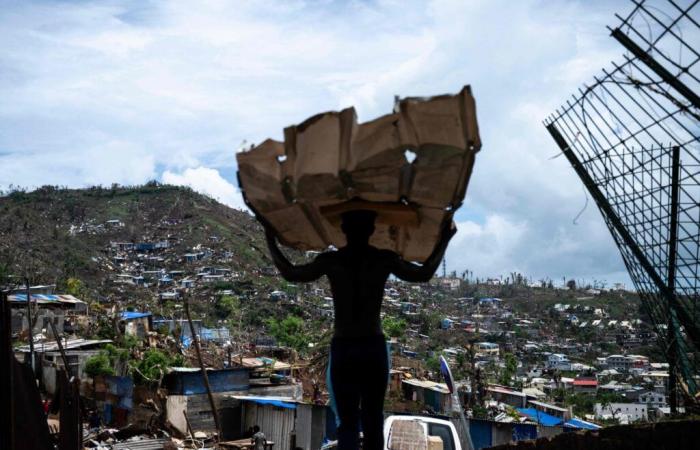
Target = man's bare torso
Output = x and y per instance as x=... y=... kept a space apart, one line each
x=357 y=277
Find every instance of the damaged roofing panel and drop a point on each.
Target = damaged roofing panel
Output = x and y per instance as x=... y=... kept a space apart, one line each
x=411 y=166
x=45 y=298
x=51 y=346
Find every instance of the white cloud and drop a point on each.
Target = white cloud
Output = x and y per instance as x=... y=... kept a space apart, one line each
x=210 y=182
x=102 y=92
x=489 y=248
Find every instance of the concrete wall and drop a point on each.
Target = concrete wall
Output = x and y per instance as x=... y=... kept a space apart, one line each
x=51 y=360
x=44 y=315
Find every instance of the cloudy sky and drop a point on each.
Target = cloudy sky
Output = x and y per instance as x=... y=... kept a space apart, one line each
x=101 y=92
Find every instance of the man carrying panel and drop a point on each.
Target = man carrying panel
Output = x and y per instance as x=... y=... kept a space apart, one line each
x=358 y=362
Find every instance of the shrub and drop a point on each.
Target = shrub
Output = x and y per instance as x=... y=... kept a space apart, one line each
x=98 y=365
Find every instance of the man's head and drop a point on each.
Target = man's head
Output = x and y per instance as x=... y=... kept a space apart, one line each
x=358 y=225
x=256 y=429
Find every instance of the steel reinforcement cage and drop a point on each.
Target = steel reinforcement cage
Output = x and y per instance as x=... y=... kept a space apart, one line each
x=633 y=137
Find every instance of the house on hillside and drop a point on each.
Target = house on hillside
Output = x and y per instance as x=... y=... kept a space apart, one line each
x=554 y=410
x=585 y=385
x=653 y=399
x=187 y=394
x=558 y=361
x=488 y=349
x=434 y=396
x=511 y=397
x=491 y=302
x=625 y=413
x=46 y=308
x=447 y=323
x=48 y=358
x=136 y=323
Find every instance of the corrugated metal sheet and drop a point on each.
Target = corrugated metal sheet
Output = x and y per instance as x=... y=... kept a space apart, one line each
x=480 y=431
x=276 y=423
x=45 y=298
x=303 y=425
x=144 y=444
x=52 y=346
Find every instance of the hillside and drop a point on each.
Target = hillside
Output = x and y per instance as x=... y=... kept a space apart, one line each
x=52 y=234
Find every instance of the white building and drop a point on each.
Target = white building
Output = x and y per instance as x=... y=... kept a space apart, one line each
x=486 y=349
x=625 y=363
x=653 y=399
x=625 y=413
x=558 y=361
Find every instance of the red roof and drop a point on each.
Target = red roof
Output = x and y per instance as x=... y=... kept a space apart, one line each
x=585 y=382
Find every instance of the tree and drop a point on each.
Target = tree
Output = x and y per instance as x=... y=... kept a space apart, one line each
x=428 y=321
x=433 y=363
x=98 y=365
x=511 y=366
x=226 y=305
x=154 y=365
x=74 y=286
x=571 y=284
x=289 y=332
x=394 y=327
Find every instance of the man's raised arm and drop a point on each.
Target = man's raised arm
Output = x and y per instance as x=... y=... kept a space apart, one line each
x=408 y=271
x=302 y=273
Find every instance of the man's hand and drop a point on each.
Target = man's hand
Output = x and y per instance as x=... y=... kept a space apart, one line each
x=449 y=229
x=269 y=230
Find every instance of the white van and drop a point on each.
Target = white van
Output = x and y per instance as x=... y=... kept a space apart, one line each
x=420 y=433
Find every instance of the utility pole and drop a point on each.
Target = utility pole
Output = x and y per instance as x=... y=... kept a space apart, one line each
x=29 y=325
x=198 y=350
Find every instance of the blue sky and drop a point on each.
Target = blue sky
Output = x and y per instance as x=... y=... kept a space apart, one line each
x=122 y=92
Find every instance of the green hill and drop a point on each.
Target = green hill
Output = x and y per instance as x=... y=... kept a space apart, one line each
x=51 y=234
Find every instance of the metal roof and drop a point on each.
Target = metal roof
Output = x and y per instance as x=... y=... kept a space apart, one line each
x=548 y=406
x=540 y=417
x=50 y=346
x=433 y=386
x=142 y=444
x=581 y=424
x=45 y=298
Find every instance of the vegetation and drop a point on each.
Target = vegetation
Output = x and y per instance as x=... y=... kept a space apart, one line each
x=394 y=327
x=226 y=306
x=154 y=365
x=99 y=365
x=583 y=403
x=511 y=366
x=290 y=332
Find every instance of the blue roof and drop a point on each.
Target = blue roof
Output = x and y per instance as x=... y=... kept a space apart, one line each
x=130 y=315
x=278 y=403
x=540 y=417
x=45 y=297
x=581 y=424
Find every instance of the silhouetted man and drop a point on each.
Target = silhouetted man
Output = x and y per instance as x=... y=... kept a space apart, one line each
x=359 y=365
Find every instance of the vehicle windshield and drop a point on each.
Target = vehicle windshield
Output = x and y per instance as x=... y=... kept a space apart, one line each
x=444 y=433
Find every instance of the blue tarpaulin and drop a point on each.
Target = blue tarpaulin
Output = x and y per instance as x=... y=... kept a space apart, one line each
x=278 y=403
x=540 y=417
x=130 y=315
x=581 y=424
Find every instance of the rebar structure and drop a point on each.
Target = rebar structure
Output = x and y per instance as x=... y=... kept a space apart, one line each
x=633 y=138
